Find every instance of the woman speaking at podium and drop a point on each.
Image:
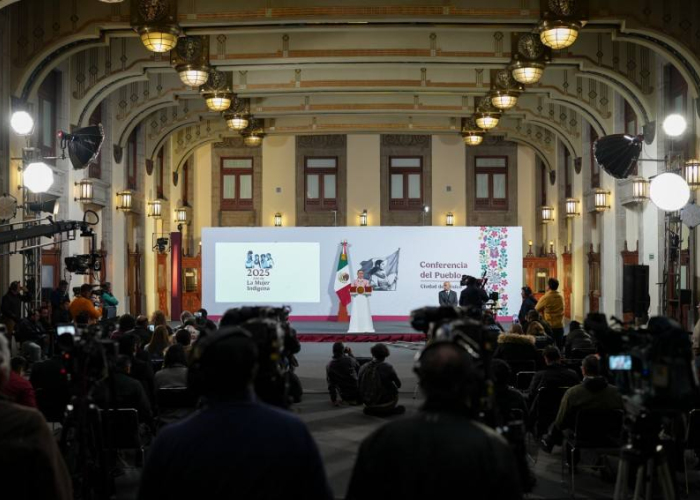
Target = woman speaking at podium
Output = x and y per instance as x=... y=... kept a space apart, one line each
x=361 y=316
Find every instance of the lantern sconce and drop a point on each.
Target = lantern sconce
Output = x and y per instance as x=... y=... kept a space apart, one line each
x=601 y=201
x=640 y=189
x=363 y=218
x=449 y=219
x=278 y=219
x=572 y=209
x=547 y=214
x=529 y=250
x=85 y=191
x=691 y=172
x=155 y=209
x=125 y=200
x=551 y=248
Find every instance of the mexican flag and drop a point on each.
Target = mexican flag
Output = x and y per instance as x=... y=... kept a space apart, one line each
x=342 y=277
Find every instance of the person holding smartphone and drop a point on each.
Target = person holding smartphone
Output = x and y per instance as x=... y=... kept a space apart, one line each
x=86 y=303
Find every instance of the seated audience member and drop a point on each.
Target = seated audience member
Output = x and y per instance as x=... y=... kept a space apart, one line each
x=341 y=375
x=203 y=321
x=184 y=316
x=490 y=323
x=84 y=303
x=516 y=347
x=577 y=338
x=379 y=384
x=17 y=388
x=141 y=329
x=158 y=318
x=160 y=341
x=32 y=337
x=183 y=337
x=128 y=392
x=234 y=444
x=441 y=450
x=141 y=368
x=29 y=456
x=507 y=398
x=535 y=330
x=107 y=298
x=554 y=374
x=126 y=324
x=593 y=393
x=173 y=375
x=537 y=317
x=45 y=320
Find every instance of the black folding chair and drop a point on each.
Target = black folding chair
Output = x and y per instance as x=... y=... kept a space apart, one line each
x=121 y=431
x=692 y=441
x=545 y=408
x=581 y=353
x=517 y=366
x=523 y=380
x=598 y=430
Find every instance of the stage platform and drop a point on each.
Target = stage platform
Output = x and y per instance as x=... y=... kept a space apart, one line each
x=332 y=331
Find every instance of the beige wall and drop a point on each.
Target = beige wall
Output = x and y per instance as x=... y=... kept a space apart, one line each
x=201 y=198
x=363 y=179
x=527 y=200
x=449 y=178
x=278 y=174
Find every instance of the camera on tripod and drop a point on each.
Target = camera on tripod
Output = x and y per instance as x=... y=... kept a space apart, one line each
x=84 y=264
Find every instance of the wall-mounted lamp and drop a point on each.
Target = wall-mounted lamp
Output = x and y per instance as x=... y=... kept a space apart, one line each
x=85 y=192
x=601 y=200
x=125 y=200
x=181 y=215
x=363 y=218
x=640 y=189
x=155 y=209
x=572 y=210
x=278 y=219
x=449 y=219
x=551 y=248
x=691 y=172
x=547 y=214
x=529 y=250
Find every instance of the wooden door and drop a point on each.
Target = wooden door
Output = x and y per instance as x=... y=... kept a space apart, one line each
x=133 y=281
x=162 y=267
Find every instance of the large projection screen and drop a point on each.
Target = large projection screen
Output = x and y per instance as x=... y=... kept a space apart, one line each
x=297 y=266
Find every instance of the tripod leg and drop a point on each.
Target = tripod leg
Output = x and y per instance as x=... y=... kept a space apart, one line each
x=665 y=480
x=621 y=481
x=649 y=479
x=639 y=482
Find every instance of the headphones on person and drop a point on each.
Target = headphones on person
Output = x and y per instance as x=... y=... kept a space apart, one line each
x=196 y=379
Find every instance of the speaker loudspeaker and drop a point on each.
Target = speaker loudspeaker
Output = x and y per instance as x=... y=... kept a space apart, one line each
x=635 y=290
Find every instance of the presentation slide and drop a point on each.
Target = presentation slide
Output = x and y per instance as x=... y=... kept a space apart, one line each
x=407 y=266
x=258 y=273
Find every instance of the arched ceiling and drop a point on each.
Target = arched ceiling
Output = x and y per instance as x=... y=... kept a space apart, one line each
x=318 y=68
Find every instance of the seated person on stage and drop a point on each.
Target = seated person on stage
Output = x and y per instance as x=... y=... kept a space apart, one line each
x=341 y=374
x=594 y=393
x=379 y=384
x=447 y=296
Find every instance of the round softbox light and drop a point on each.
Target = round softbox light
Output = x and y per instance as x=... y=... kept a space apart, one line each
x=669 y=191
x=83 y=145
x=617 y=153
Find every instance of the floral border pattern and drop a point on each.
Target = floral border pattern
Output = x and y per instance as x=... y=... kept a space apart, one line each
x=493 y=260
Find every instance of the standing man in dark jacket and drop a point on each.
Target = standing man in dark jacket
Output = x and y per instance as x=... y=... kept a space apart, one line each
x=554 y=374
x=447 y=296
x=235 y=446
x=11 y=306
x=528 y=304
x=341 y=374
x=441 y=450
x=473 y=295
x=59 y=295
x=379 y=384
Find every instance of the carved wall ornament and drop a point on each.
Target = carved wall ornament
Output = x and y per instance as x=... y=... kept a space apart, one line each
x=149 y=166
x=405 y=140
x=577 y=164
x=176 y=178
x=117 y=152
x=552 y=177
x=322 y=141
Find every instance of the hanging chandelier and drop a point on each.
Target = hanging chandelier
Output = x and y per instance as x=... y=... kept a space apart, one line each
x=191 y=60
x=253 y=135
x=217 y=91
x=561 y=22
x=505 y=90
x=471 y=133
x=528 y=58
x=237 y=117
x=156 y=23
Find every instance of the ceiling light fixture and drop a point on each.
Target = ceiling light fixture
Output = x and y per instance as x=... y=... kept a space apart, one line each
x=486 y=120
x=691 y=173
x=561 y=22
x=217 y=91
x=156 y=23
x=191 y=60
x=505 y=90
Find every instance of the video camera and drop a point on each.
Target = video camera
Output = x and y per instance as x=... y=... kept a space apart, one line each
x=652 y=366
x=84 y=264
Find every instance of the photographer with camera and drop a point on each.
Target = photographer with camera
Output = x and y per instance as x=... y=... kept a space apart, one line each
x=458 y=450
x=341 y=375
x=473 y=295
x=86 y=303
